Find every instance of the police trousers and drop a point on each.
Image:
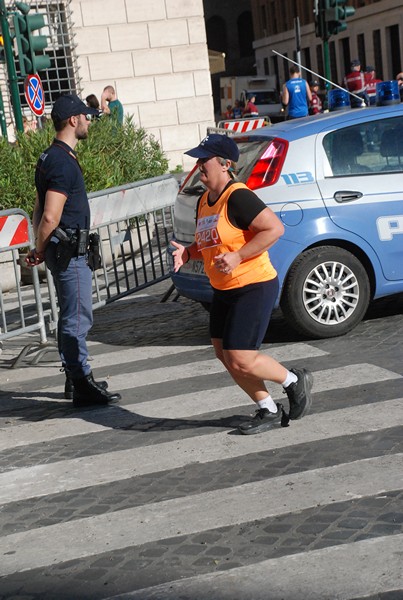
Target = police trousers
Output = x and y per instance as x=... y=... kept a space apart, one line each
x=74 y=294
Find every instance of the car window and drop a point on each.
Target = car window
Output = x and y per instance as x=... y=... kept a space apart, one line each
x=371 y=147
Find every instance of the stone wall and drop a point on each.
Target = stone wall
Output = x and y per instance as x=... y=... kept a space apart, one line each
x=154 y=53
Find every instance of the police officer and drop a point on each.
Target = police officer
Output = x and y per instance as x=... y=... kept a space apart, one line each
x=370 y=84
x=316 y=102
x=61 y=222
x=355 y=82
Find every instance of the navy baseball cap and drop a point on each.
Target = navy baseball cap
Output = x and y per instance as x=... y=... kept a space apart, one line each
x=355 y=63
x=70 y=105
x=215 y=144
x=369 y=69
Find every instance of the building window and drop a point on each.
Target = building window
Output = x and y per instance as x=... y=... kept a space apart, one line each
x=276 y=71
x=216 y=30
x=345 y=48
x=376 y=37
x=245 y=34
x=361 y=49
x=306 y=58
x=273 y=21
x=393 y=38
x=263 y=16
x=286 y=67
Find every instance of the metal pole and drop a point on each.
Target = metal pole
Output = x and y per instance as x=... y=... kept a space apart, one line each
x=297 y=39
x=2 y=118
x=12 y=73
x=320 y=76
x=326 y=60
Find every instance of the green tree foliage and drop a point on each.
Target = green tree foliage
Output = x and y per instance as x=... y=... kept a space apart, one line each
x=111 y=156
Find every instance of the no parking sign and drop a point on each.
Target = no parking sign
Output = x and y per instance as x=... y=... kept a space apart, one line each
x=34 y=94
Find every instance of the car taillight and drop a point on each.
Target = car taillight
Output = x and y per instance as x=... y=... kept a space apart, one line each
x=268 y=168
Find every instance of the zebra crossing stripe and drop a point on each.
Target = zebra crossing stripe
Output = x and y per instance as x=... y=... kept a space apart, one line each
x=175 y=407
x=198 y=512
x=42 y=480
x=288 y=352
x=362 y=569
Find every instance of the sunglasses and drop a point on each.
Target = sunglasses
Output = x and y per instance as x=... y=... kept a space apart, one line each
x=88 y=117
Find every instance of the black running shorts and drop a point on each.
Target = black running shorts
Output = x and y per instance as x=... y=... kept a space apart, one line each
x=240 y=317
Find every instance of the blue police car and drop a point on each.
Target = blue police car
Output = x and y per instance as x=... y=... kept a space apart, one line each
x=336 y=182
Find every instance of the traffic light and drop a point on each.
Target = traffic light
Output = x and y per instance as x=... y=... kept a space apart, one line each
x=30 y=46
x=336 y=14
x=320 y=23
x=2 y=56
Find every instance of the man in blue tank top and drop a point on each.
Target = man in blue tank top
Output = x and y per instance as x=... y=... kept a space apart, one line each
x=296 y=94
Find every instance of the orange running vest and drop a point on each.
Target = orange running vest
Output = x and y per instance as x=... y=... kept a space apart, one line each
x=216 y=235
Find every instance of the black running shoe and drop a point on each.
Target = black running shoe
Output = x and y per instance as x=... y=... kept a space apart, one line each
x=299 y=393
x=262 y=421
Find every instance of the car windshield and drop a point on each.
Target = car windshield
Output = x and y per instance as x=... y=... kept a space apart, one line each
x=250 y=150
x=267 y=97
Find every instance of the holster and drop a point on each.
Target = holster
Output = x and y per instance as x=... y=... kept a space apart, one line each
x=71 y=243
x=94 y=255
x=65 y=249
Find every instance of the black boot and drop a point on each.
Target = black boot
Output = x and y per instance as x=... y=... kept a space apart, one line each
x=88 y=393
x=69 y=386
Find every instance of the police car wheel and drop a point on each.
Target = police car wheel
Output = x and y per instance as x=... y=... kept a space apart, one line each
x=326 y=293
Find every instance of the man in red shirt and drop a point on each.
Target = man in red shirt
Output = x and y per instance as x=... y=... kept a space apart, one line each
x=370 y=84
x=355 y=82
x=251 y=108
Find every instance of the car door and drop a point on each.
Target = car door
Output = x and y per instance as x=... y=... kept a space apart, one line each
x=360 y=176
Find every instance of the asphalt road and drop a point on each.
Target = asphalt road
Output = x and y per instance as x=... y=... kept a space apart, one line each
x=159 y=497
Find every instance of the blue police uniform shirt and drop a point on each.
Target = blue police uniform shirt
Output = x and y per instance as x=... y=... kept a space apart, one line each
x=298 y=101
x=58 y=170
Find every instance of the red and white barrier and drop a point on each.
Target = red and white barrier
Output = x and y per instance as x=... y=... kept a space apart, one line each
x=13 y=231
x=243 y=125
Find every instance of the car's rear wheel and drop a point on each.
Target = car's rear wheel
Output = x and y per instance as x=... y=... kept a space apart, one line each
x=326 y=293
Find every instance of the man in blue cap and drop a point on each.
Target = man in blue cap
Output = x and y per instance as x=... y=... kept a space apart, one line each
x=61 y=223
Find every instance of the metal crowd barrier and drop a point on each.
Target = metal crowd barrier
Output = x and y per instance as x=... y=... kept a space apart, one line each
x=135 y=223
x=18 y=315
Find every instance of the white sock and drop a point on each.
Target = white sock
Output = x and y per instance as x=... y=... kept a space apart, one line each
x=291 y=378
x=268 y=403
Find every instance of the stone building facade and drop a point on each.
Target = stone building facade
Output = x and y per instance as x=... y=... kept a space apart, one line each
x=154 y=52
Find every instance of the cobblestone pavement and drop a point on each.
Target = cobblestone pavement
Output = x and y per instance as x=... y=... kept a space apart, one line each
x=159 y=497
